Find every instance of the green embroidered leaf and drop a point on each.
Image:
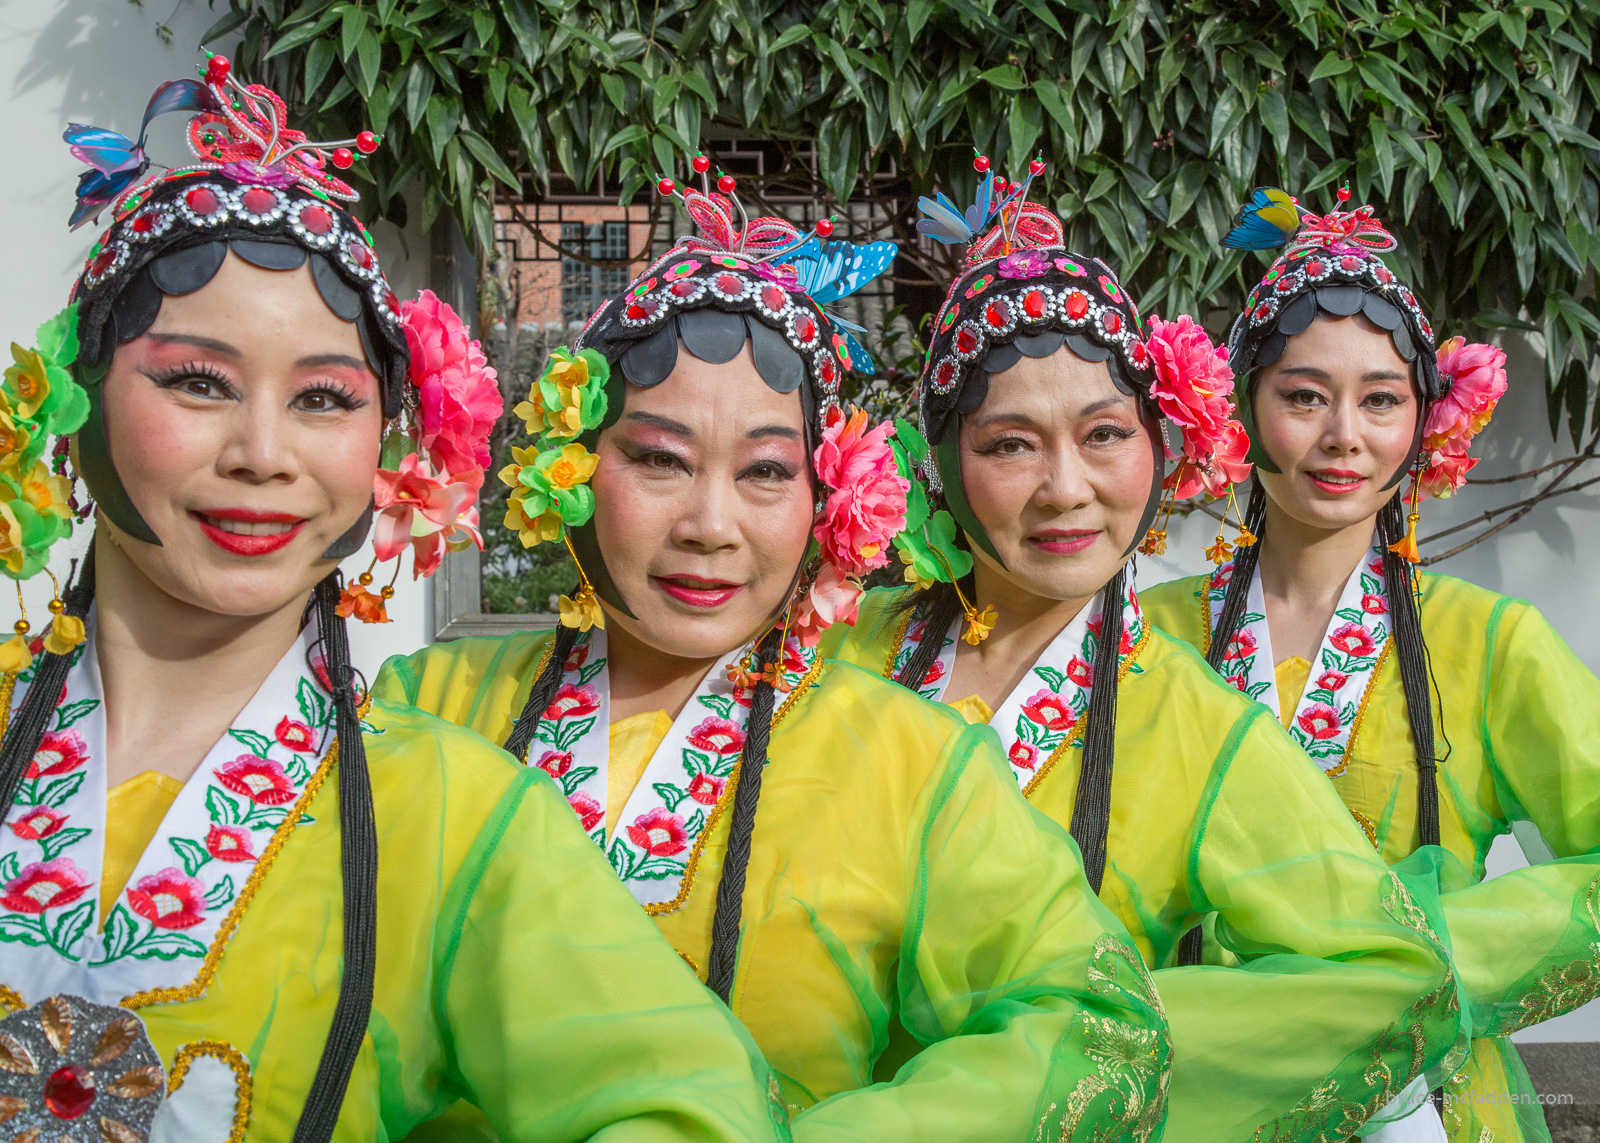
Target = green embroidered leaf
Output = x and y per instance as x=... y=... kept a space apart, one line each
x=220 y=894
x=694 y=825
x=315 y=707
x=56 y=793
x=191 y=853
x=56 y=842
x=10 y=867
x=1053 y=677
x=567 y=737
x=15 y=930
x=73 y=712
x=1029 y=731
x=1331 y=661
x=694 y=762
x=373 y=731
x=1369 y=584
x=669 y=794
x=621 y=858
x=119 y=935
x=222 y=809
x=1259 y=689
x=1350 y=613
x=588 y=671
x=166 y=946
x=572 y=779
x=722 y=704
x=70 y=927
x=258 y=744
x=1347 y=714
x=265 y=817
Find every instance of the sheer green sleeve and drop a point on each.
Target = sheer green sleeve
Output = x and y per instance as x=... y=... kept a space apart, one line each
x=1034 y=1015
x=1335 y=1028
x=1527 y=943
x=568 y=1017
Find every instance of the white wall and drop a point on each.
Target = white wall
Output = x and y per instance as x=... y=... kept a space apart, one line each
x=96 y=61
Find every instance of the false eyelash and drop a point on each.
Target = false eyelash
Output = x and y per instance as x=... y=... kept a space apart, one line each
x=167 y=378
x=343 y=395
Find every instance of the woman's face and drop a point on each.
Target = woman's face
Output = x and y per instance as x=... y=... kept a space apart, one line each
x=703 y=506
x=1057 y=468
x=245 y=425
x=1337 y=415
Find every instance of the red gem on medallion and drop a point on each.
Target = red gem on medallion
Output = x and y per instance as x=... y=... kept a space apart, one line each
x=316 y=219
x=772 y=297
x=683 y=287
x=1034 y=304
x=966 y=341
x=805 y=329
x=1113 y=321
x=69 y=1091
x=258 y=200
x=1077 y=304
x=997 y=313
x=730 y=283
x=945 y=375
x=202 y=200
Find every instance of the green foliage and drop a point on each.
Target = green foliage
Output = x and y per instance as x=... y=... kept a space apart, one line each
x=1469 y=125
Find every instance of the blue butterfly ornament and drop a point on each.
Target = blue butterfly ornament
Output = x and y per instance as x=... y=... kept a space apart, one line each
x=117 y=162
x=1268 y=219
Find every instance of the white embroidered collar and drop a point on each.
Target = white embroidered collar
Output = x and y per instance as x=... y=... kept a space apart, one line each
x=1044 y=714
x=1329 y=711
x=161 y=939
x=687 y=784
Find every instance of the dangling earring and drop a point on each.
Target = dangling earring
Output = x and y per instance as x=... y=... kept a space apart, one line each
x=1220 y=550
x=355 y=600
x=1406 y=546
x=979 y=623
x=583 y=610
x=745 y=674
x=66 y=631
x=15 y=654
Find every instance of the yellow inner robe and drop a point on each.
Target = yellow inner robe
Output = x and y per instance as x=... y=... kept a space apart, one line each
x=1519 y=715
x=512 y=969
x=898 y=889
x=1214 y=809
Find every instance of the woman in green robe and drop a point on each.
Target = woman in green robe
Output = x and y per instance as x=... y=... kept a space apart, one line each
x=1440 y=712
x=238 y=899
x=1041 y=404
x=914 y=949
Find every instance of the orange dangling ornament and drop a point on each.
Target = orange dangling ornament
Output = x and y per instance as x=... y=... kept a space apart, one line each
x=1406 y=546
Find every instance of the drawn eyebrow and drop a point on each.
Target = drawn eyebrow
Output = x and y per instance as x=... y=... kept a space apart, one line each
x=322 y=360
x=773 y=431
x=198 y=342
x=665 y=424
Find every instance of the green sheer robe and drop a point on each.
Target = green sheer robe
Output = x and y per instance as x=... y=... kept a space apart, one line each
x=1343 y=993
x=1517 y=718
x=903 y=903
x=512 y=971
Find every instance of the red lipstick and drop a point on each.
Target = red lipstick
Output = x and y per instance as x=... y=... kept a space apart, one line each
x=1337 y=481
x=246 y=531
x=1064 y=541
x=697 y=592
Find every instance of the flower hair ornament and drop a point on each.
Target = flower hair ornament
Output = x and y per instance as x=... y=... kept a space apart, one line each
x=1330 y=264
x=1023 y=294
x=737 y=281
x=261 y=190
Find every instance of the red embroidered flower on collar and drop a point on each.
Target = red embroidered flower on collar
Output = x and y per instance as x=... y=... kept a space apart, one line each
x=169 y=899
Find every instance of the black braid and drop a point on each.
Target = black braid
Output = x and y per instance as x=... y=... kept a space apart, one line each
x=358 y=845
x=539 y=695
x=1244 y=570
x=1413 y=655
x=943 y=608
x=26 y=728
x=724 y=956
x=1091 y=810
